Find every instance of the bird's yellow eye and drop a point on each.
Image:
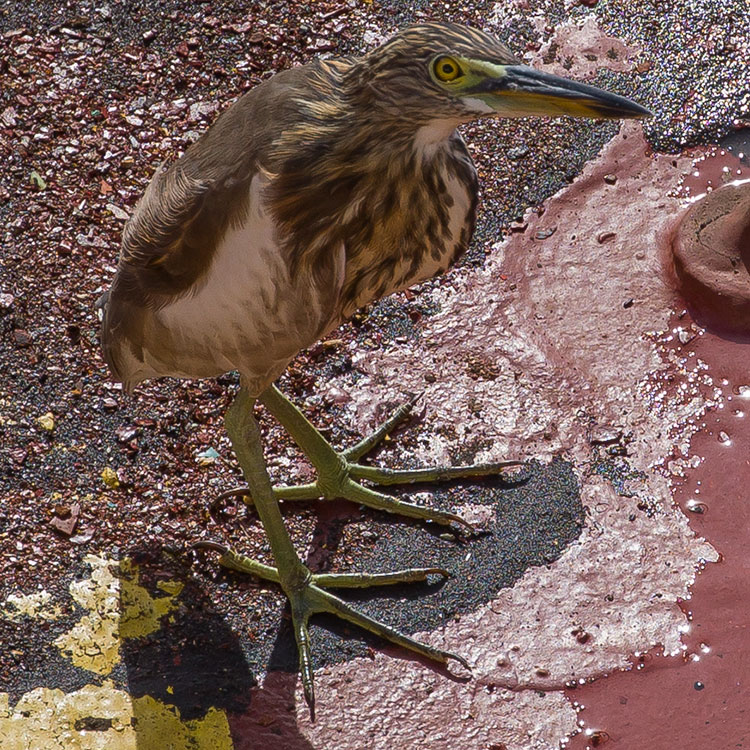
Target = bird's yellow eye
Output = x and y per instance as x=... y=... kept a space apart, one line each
x=446 y=69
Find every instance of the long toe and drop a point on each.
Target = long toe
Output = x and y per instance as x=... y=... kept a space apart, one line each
x=325 y=601
x=311 y=597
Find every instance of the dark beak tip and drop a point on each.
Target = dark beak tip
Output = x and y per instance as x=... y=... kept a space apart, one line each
x=639 y=113
x=629 y=111
x=620 y=107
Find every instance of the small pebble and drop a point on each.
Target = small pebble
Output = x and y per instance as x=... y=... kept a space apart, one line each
x=22 y=338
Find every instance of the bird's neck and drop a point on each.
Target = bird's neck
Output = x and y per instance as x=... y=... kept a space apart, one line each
x=356 y=179
x=433 y=135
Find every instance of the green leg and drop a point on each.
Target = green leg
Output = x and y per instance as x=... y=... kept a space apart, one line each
x=305 y=591
x=338 y=472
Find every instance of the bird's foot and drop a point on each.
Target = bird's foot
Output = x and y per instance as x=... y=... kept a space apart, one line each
x=307 y=596
x=340 y=474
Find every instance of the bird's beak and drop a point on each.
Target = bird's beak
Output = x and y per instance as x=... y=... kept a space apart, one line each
x=520 y=91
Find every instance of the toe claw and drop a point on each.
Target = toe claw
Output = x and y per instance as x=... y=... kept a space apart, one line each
x=439 y=572
x=414 y=400
x=209 y=544
x=459 y=659
x=461 y=522
x=310 y=700
x=305 y=659
x=234 y=492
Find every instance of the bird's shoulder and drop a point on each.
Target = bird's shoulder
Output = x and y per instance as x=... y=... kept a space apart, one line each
x=188 y=206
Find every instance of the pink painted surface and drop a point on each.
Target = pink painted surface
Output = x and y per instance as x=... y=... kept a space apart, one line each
x=587 y=45
x=701 y=698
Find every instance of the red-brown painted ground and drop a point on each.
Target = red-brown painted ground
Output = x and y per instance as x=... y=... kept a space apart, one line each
x=701 y=697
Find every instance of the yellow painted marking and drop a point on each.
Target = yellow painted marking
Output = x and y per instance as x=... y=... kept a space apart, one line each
x=141 y=613
x=118 y=608
x=46 y=421
x=99 y=717
x=38 y=606
x=169 y=587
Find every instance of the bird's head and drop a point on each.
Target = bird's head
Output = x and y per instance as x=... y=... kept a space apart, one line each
x=444 y=70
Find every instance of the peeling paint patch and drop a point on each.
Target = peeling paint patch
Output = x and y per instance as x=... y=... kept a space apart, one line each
x=584 y=45
x=37 y=606
x=118 y=607
x=100 y=716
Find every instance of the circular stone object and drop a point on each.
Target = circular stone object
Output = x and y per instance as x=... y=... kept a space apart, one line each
x=711 y=252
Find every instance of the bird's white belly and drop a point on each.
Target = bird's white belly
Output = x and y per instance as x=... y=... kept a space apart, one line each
x=246 y=314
